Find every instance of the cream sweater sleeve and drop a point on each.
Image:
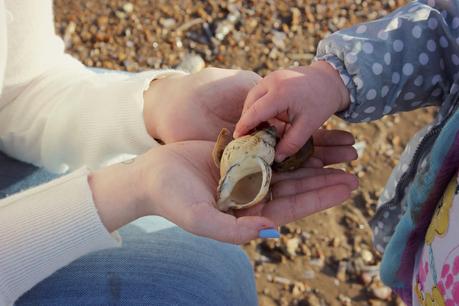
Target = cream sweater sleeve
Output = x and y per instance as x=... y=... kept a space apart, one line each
x=46 y=228
x=56 y=113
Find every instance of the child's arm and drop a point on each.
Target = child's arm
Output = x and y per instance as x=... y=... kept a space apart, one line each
x=403 y=61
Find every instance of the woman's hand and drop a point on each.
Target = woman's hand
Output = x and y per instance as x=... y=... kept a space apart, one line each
x=196 y=106
x=179 y=182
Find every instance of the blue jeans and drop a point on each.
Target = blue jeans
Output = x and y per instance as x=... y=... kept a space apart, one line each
x=158 y=264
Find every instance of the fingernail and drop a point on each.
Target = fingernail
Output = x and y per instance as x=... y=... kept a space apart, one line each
x=268 y=233
x=280 y=158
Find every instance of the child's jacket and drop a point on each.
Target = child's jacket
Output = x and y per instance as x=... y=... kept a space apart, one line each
x=406 y=60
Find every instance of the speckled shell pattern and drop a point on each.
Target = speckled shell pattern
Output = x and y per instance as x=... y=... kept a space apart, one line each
x=242 y=157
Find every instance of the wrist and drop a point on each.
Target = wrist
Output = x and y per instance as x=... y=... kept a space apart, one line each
x=115 y=195
x=154 y=97
x=341 y=97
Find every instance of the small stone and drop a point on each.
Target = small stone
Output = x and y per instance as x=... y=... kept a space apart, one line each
x=128 y=7
x=367 y=256
x=223 y=28
x=292 y=244
x=282 y=280
x=345 y=300
x=382 y=293
x=366 y=278
x=309 y=274
x=102 y=21
x=311 y=300
x=168 y=22
x=360 y=147
x=192 y=63
x=341 y=272
x=297 y=289
x=278 y=39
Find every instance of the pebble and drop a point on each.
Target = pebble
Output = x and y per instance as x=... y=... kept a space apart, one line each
x=341 y=272
x=367 y=256
x=192 y=63
x=382 y=293
x=292 y=245
x=128 y=7
x=309 y=274
x=278 y=39
x=282 y=280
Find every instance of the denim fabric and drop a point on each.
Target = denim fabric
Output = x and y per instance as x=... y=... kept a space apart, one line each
x=158 y=264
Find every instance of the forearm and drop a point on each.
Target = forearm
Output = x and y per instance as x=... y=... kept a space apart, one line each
x=117 y=194
x=45 y=228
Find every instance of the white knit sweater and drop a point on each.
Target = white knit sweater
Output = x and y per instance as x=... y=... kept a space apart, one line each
x=57 y=114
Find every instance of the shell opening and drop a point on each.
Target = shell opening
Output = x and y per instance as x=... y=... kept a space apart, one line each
x=247 y=188
x=244 y=184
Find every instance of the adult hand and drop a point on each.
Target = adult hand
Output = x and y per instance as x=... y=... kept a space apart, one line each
x=179 y=181
x=196 y=106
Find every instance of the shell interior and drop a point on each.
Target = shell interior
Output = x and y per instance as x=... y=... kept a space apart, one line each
x=247 y=188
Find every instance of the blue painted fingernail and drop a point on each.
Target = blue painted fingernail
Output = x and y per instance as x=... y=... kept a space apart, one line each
x=268 y=233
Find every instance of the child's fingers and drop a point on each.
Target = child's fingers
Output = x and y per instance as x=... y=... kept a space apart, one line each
x=294 y=138
x=263 y=109
x=254 y=94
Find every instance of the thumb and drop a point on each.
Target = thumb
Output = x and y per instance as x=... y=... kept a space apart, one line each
x=227 y=228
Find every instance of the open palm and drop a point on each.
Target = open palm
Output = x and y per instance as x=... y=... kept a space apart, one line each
x=184 y=181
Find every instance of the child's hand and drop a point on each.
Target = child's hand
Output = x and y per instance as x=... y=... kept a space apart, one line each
x=299 y=100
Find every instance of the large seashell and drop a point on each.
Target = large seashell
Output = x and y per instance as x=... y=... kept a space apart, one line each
x=245 y=169
x=245 y=166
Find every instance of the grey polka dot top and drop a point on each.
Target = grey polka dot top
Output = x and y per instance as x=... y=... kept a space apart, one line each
x=406 y=60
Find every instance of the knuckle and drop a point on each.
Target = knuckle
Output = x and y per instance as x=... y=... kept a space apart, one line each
x=275 y=77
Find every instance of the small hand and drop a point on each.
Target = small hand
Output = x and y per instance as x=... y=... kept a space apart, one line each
x=196 y=106
x=301 y=99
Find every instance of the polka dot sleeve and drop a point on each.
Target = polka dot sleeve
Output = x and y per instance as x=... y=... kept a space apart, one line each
x=403 y=61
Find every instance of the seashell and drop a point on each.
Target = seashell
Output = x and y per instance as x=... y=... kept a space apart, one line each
x=296 y=160
x=245 y=168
